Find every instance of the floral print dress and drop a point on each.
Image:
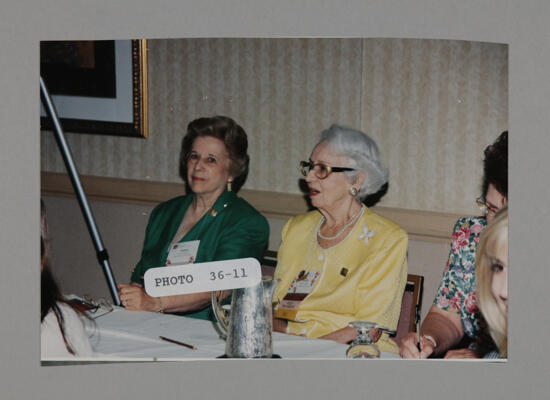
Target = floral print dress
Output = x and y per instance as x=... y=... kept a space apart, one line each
x=457 y=292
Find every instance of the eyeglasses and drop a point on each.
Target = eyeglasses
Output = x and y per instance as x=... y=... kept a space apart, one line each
x=320 y=170
x=485 y=207
x=96 y=307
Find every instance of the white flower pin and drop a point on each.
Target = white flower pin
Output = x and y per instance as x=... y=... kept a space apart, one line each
x=366 y=234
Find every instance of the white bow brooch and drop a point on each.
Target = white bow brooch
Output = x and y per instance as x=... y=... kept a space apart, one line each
x=366 y=234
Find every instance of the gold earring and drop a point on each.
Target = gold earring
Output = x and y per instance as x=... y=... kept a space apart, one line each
x=229 y=181
x=353 y=191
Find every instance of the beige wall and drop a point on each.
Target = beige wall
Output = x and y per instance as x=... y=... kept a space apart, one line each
x=432 y=106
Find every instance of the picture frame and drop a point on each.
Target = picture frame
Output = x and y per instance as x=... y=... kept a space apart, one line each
x=124 y=114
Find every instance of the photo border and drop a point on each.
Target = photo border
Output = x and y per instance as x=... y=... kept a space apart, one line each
x=522 y=25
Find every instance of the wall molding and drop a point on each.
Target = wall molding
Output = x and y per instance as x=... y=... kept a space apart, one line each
x=420 y=225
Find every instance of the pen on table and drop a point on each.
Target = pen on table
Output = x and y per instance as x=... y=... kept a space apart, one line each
x=176 y=342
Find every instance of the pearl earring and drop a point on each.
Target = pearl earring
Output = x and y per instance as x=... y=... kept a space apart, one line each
x=229 y=181
x=353 y=191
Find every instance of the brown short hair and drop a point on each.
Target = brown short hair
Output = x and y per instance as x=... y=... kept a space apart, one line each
x=233 y=136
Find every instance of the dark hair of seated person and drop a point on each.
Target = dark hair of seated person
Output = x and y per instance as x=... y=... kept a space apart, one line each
x=495 y=165
x=230 y=133
x=50 y=294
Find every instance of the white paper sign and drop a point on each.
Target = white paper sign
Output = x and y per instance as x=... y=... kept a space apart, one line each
x=202 y=277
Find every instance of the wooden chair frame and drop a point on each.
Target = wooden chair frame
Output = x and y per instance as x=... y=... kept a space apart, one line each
x=416 y=284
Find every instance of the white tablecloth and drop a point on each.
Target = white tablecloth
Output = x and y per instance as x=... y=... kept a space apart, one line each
x=134 y=335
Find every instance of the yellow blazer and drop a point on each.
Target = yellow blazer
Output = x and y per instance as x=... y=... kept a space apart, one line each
x=375 y=256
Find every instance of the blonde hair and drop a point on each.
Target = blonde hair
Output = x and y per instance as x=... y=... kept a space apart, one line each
x=492 y=238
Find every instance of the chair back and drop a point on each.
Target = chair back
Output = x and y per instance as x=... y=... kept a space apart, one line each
x=409 y=318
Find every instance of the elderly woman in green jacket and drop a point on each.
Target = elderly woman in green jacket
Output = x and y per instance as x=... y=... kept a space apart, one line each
x=210 y=223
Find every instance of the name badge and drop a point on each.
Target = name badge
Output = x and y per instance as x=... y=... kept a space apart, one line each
x=304 y=281
x=183 y=252
x=299 y=289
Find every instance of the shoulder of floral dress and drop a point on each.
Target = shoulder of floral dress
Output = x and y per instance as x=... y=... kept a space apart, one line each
x=468 y=222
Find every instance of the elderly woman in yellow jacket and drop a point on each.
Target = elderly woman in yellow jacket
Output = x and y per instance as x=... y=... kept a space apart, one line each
x=341 y=262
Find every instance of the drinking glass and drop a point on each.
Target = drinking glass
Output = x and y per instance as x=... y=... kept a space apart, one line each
x=363 y=346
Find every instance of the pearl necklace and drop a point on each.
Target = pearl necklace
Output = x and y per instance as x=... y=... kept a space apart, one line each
x=347 y=225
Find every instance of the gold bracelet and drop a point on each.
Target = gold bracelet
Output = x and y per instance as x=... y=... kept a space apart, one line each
x=160 y=310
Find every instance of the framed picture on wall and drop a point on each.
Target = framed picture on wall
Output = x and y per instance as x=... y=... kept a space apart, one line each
x=97 y=86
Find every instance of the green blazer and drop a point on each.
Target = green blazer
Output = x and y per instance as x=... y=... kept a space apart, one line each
x=231 y=229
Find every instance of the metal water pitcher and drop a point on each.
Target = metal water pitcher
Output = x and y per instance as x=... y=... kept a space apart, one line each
x=250 y=321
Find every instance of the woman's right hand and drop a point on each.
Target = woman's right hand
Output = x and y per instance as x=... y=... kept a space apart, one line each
x=445 y=327
x=409 y=346
x=134 y=297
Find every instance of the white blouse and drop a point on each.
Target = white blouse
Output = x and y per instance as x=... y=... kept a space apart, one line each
x=51 y=339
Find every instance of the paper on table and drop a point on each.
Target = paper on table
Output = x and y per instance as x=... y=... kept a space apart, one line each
x=144 y=325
